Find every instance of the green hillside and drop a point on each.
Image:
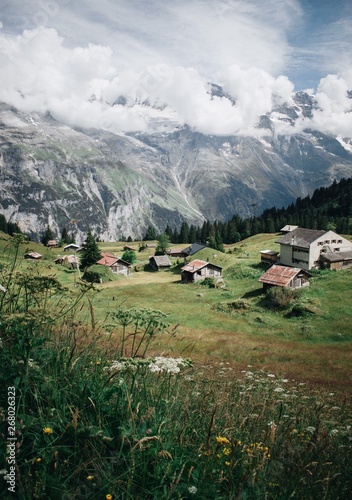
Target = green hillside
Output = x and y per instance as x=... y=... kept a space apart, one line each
x=144 y=387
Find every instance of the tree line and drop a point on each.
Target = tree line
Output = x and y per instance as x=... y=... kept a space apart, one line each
x=329 y=208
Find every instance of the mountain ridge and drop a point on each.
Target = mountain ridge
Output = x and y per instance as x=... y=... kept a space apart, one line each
x=119 y=184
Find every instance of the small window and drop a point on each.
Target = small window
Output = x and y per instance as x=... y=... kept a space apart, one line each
x=333 y=241
x=336 y=249
x=339 y=241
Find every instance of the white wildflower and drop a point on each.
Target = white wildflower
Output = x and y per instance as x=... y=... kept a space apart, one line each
x=310 y=429
x=284 y=380
x=271 y=375
x=168 y=365
x=333 y=432
x=279 y=389
x=272 y=424
x=192 y=489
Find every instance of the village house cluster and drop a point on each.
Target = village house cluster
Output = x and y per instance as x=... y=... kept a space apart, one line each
x=300 y=251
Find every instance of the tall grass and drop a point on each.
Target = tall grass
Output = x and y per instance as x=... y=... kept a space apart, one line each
x=98 y=417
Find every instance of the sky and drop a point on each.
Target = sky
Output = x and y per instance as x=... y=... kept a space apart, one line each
x=75 y=58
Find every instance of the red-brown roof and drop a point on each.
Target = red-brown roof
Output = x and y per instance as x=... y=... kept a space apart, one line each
x=279 y=275
x=194 y=266
x=197 y=264
x=108 y=259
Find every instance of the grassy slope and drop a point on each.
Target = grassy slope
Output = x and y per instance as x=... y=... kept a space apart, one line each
x=316 y=348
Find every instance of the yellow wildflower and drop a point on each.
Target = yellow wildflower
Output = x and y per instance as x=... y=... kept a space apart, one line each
x=226 y=451
x=38 y=459
x=222 y=440
x=228 y=464
x=108 y=497
x=90 y=478
x=47 y=430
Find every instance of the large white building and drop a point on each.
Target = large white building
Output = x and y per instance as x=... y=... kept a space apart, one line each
x=308 y=248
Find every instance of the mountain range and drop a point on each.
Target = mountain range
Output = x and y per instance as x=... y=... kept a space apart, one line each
x=119 y=184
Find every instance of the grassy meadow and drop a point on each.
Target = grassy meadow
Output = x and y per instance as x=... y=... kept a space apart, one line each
x=145 y=388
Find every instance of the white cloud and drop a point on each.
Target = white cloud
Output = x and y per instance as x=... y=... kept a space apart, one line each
x=167 y=54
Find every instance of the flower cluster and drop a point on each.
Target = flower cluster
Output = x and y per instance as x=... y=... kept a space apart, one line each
x=168 y=365
x=154 y=365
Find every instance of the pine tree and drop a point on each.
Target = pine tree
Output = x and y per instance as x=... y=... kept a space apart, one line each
x=90 y=253
x=47 y=236
x=150 y=234
x=3 y=224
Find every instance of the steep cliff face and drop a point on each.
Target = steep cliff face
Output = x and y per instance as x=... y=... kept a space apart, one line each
x=119 y=184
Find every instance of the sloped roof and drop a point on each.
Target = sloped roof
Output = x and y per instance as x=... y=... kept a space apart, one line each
x=33 y=255
x=197 y=264
x=280 y=275
x=161 y=260
x=124 y=262
x=336 y=256
x=71 y=245
x=108 y=259
x=288 y=228
x=301 y=237
x=269 y=252
x=194 y=248
x=71 y=259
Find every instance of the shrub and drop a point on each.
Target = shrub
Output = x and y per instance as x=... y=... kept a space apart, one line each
x=209 y=282
x=97 y=274
x=280 y=296
x=129 y=256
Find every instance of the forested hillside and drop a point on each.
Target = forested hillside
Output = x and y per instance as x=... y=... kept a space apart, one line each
x=328 y=208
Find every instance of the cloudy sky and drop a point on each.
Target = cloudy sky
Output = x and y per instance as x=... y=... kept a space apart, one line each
x=55 y=54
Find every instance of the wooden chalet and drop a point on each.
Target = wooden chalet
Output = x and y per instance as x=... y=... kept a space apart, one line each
x=52 y=244
x=175 y=252
x=192 y=249
x=72 y=247
x=116 y=265
x=198 y=270
x=33 y=255
x=268 y=257
x=288 y=277
x=70 y=261
x=335 y=260
x=160 y=262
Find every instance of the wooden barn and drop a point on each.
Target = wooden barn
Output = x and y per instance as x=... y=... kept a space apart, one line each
x=160 y=262
x=336 y=260
x=198 y=270
x=289 y=277
x=116 y=265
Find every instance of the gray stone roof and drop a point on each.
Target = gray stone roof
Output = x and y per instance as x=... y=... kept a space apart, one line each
x=301 y=237
x=161 y=260
x=336 y=256
x=192 y=249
